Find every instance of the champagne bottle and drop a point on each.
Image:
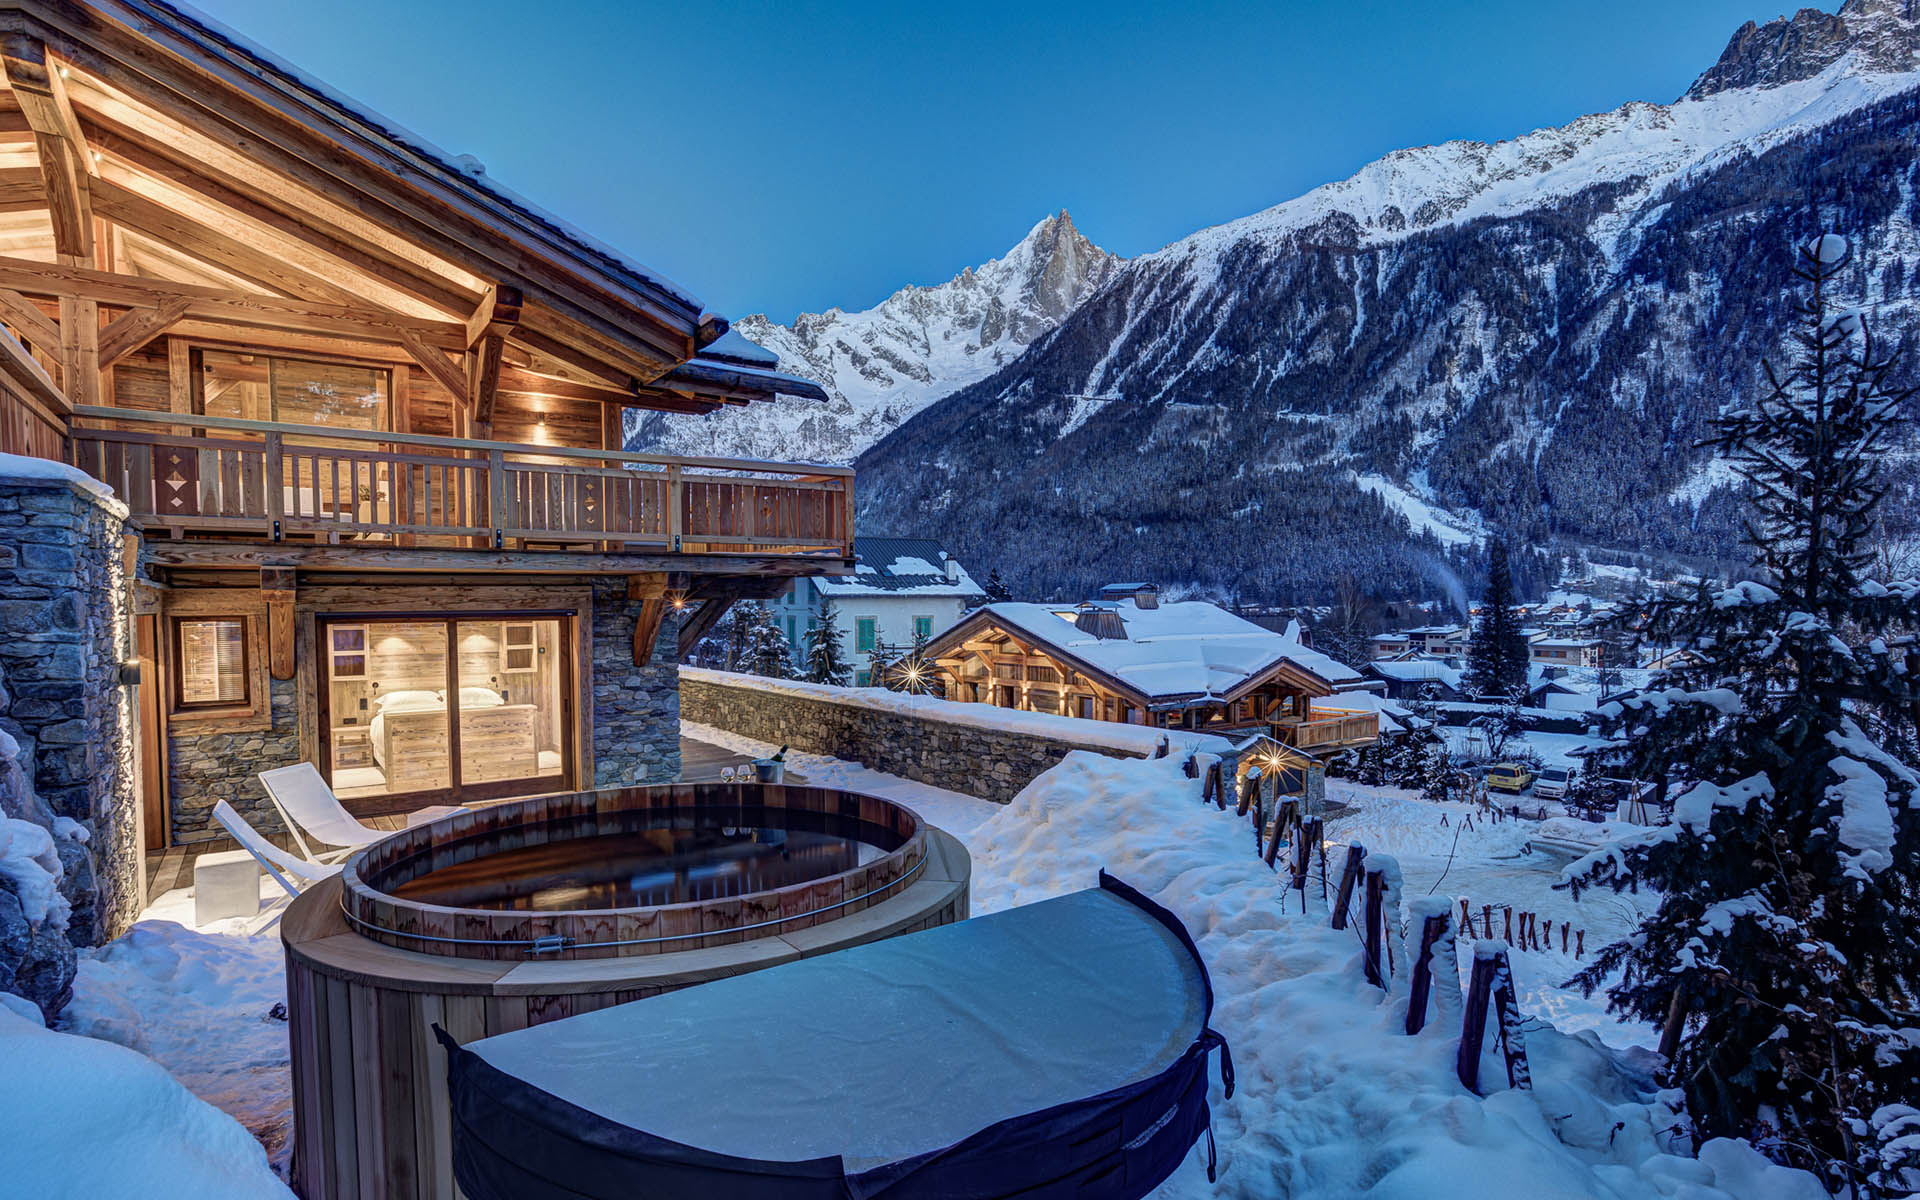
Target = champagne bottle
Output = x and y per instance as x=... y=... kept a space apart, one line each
x=782 y=756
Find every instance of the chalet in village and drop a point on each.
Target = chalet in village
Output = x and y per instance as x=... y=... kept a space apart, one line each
x=1129 y=657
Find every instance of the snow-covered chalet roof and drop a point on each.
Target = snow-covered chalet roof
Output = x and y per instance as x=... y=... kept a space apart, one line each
x=1419 y=670
x=891 y=566
x=1173 y=651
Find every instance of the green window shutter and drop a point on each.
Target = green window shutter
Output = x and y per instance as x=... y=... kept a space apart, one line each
x=865 y=634
x=923 y=627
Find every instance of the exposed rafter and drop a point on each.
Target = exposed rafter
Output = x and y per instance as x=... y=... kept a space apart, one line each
x=435 y=364
x=135 y=328
x=496 y=316
x=64 y=159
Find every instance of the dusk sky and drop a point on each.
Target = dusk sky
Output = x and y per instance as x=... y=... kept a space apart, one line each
x=790 y=157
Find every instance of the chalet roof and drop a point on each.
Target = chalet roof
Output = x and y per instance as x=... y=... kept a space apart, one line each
x=459 y=171
x=703 y=370
x=1418 y=670
x=1174 y=651
x=890 y=566
x=734 y=347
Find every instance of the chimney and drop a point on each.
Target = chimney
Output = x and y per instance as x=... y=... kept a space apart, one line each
x=1147 y=597
x=953 y=567
x=1100 y=622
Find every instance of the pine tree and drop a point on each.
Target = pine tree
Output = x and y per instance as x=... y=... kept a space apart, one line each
x=996 y=588
x=764 y=649
x=1788 y=930
x=826 y=653
x=1497 y=656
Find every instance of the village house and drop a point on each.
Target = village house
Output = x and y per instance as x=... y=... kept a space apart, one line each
x=902 y=592
x=358 y=414
x=1186 y=665
x=1550 y=651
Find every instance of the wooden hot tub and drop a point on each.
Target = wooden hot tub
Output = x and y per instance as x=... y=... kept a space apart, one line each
x=376 y=958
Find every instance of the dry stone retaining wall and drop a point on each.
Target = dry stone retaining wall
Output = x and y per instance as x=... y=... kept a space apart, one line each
x=993 y=764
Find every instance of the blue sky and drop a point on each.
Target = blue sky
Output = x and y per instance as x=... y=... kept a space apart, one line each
x=787 y=157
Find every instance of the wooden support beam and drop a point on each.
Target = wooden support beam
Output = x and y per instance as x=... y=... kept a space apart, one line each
x=277 y=589
x=436 y=364
x=80 y=349
x=135 y=328
x=62 y=149
x=179 y=375
x=483 y=382
x=650 y=592
x=238 y=308
x=28 y=321
x=718 y=597
x=28 y=377
x=497 y=314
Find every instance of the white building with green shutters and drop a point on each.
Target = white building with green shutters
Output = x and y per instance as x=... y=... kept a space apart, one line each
x=900 y=589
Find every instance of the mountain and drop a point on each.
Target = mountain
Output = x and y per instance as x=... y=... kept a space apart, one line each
x=1529 y=335
x=883 y=365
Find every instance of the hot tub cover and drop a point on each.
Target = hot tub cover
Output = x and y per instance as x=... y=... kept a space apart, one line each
x=1054 y=1050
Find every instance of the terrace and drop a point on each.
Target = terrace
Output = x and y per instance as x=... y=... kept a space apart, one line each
x=190 y=478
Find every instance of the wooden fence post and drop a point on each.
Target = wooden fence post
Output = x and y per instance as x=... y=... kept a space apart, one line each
x=1466 y=918
x=1473 y=1023
x=1431 y=930
x=1513 y=1039
x=1309 y=836
x=1348 y=875
x=1375 y=930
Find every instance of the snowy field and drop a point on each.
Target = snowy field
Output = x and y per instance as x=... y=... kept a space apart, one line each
x=1333 y=1099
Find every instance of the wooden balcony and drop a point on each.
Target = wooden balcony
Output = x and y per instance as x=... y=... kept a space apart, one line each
x=1330 y=729
x=195 y=478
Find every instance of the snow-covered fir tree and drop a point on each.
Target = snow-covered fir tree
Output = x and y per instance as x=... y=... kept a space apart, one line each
x=1784 y=957
x=763 y=647
x=1497 y=656
x=826 y=652
x=996 y=588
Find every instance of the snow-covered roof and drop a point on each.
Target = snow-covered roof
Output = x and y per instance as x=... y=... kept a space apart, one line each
x=1418 y=670
x=734 y=347
x=703 y=369
x=1171 y=651
x=890 y=566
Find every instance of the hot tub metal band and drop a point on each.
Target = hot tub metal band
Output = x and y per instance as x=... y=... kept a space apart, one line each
x=553 y=943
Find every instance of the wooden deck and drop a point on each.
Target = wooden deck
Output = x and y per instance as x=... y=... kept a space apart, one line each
x=172 y=867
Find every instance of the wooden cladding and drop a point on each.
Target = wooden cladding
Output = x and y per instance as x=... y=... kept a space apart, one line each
x=255 y=480
x=27 y=428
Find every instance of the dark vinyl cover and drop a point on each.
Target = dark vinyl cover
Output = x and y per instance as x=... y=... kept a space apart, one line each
x=549 y=1128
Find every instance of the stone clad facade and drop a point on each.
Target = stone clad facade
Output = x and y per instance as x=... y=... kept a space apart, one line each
x=67 y=737
x=636 y=710
x=204 y=768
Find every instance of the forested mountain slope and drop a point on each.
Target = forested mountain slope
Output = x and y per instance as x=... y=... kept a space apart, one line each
x=1529 y=335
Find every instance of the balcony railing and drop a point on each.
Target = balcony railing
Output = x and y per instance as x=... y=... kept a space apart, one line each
x=221 y=477
x=1330 y=728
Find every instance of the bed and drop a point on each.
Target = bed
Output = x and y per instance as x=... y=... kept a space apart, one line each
x=410 y=745
x=1054 y=1050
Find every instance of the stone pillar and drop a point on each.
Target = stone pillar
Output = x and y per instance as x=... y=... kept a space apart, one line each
x=65 y=608
x=636 y=709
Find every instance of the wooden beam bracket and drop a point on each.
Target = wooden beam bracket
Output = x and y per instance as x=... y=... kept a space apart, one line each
x=277 y=589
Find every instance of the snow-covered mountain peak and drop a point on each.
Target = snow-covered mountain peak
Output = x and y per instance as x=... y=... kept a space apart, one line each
x=886 y=363
x=1878 y=36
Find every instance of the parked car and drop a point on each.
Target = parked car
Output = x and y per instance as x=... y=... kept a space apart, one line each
x=1552 y=784
x=1508 y=777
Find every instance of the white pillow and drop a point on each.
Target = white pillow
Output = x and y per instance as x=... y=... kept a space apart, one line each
x=479 y=697
x=407 y=701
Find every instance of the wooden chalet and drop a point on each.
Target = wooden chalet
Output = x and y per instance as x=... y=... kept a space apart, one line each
x=365 y=408
x=1187 y=665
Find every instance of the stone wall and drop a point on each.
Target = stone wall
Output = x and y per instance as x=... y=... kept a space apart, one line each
x=64 y=632
x=991 y=763
x=206 y=768
x=636 y=710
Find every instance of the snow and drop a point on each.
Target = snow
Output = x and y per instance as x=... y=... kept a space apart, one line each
x=1865 y=824
x=1112 y=735
x=1829 y=249
x=28 y=858
x=1333 y=1099
x=1175 y=650
x=86 y=1118
x=1450 y=529
x=18 y=468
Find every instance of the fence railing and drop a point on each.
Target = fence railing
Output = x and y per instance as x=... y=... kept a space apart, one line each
x=194 y=476
x=1330 y=727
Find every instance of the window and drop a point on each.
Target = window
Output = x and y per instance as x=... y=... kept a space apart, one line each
x=923 y=627
x=210 y=659
x=260 y=387
x=866 y=635
x=1086 y=707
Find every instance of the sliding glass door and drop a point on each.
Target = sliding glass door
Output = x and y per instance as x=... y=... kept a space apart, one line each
x=472 y=707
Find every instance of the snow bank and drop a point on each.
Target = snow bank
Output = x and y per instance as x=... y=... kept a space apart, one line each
x=201 y=1005
x=1136 y=739
x=1333 y=1099
x=84 y=1118
x=28 y=857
